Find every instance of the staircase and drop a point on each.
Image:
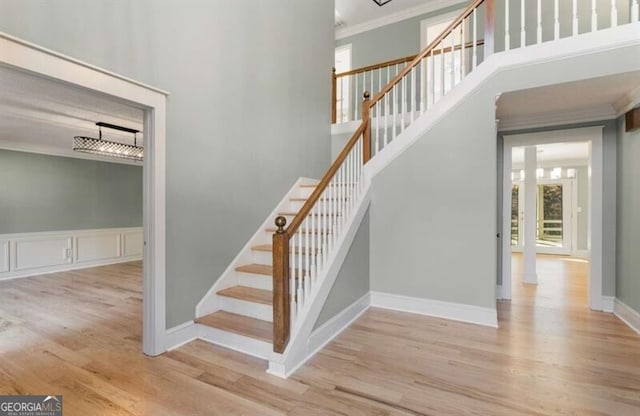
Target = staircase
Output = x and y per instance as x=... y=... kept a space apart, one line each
x=266 y=302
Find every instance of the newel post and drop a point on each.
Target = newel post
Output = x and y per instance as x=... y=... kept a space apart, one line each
x=281 y=290
x=489 y=27
x=334 y=97
x=366 y=136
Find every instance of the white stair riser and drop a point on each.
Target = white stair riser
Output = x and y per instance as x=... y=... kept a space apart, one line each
x=255 y=280
x=262 y=257
x=251 y=346
x=242 y=307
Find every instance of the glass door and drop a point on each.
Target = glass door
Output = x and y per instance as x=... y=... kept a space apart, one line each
x=516 y=216
x=554 y=217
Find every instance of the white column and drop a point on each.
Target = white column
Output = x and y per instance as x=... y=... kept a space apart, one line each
x=529 y=273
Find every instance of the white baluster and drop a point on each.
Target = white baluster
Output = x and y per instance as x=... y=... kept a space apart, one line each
x=380 y=79
x=307 y=262
x=507 y=35
x=556 y=20
x=413 y=93
x=635 y=10
x=314 y=245
x=354 y=115
x=395 y=112
x=433 y=78
x=523 y=31
x=341 y=99
x=442 y=69
x=423 y=85
x=386 y=118
x=292 y=280
x=300 y=271
x=614 y=13
x=377 y=146
x=453 y=60
x=403 y=93
x=462 y=51
x=575 y=18
x=594 y=16
x=539 y=26
x=475 y=38
x=371 y=83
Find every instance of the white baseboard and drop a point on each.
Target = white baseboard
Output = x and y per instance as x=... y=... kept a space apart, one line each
x=608 y=303
x=179 y=335
x=447 y=310
x=627 y=315
x=583 y=254
x=32 y=254
x=333 y=327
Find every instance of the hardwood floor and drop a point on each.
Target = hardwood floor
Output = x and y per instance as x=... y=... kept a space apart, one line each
x=78 y=334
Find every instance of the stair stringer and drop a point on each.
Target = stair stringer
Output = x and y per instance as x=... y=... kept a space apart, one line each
x=210 y=302
x=298 y=350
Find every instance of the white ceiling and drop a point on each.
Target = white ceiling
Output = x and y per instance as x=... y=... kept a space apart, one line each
x=352 y=15
x=576 y=153
x=592 y=99
x=42 y=115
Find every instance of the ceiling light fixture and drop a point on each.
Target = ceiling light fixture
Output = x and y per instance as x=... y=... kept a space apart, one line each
x=381 y=2
x=108 y=148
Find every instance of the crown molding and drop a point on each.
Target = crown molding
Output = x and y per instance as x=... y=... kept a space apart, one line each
x=346 y=31
x=556 y=118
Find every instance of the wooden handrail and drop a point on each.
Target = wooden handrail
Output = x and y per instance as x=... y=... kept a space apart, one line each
x=429 y=48
x=377 y=66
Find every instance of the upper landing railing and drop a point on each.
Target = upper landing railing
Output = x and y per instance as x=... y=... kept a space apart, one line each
x=512 y=24
x=304 y=250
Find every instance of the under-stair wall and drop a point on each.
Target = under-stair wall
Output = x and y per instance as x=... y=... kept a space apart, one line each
x=443 y=248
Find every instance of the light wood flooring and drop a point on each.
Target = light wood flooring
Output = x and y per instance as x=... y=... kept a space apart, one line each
x=78 y=334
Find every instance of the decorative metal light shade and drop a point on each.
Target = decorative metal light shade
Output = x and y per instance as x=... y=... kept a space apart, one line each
x=381 y=2
x=108 y=148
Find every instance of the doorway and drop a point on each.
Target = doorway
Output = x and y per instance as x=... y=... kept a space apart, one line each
x=41 y=62
x=555 y=203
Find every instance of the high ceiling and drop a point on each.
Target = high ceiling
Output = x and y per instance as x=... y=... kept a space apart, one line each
x=42 y=115
x=353 y=13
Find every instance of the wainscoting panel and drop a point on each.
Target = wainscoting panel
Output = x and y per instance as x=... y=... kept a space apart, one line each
x=133 y=243
x=98 y=246
x=4 y=256
x=31 y=254
x=35 y=252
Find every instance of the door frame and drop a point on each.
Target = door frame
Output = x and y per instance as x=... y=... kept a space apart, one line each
x=28 y=57
x=592 y=135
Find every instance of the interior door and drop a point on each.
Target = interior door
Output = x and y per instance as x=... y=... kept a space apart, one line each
x=554 y=210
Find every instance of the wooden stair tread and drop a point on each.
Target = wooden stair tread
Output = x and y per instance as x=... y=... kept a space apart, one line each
x=249 y=294
x=269 y=247
x=254 y=268
x=239 y=324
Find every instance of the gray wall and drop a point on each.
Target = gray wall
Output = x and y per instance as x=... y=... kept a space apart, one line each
x=391 y=41
x=609 y=197
x=628 y=238
x=436 y=238
x=352 y=282
x=247 y=115
x=52 y=193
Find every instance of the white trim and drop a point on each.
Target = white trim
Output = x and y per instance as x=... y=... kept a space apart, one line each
x=180 y=335
x=246 y=345
x=583 y=254
x=324 y=334
x=427 y=7
x=592 y=135
x=439 y=309
x=627 y=315
x=44 y=62
x=58 y=251
x=608 y=303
